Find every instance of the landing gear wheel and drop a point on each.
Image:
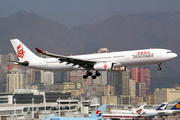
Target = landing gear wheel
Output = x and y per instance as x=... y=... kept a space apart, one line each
x=159 y=68
x=98 y=74
x=94 y=77
x=89 y=73
x=85 y=76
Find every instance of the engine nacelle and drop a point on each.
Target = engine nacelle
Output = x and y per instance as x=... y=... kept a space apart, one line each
x=119 y=69
x=107 y=67
x=103 y=66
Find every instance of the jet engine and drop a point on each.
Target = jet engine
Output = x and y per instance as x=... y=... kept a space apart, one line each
x=108 y=66
x=103 y=66
x=119 y=69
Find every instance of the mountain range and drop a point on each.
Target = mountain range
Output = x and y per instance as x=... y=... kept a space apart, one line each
x=119 y=32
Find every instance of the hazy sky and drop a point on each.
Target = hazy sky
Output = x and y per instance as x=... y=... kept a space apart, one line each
x=78 y=12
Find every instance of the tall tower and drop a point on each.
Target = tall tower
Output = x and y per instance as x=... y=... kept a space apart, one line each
x=60 y=77
x=15 y=80
x=120 y=81
x=142 y=75
x=147 y=80
x=135 y=74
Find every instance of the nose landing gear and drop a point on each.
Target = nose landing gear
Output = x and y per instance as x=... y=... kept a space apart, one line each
x=159 y=68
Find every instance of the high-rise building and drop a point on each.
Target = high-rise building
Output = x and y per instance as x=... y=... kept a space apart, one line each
x=60 y=77
x=101 y=79
x=104 y=77
x=147 y=81
x=28 y=75
x=1 y=59
x=135 y=74
x=111 y=77
x=37 y=76
x=125 y=82
x=140 y=89
x=48 y=78
x=132 y=87
x=108 y=90
x=94 y=90
x=141 y=75
x=120 y=81
x=15 y=80
x=3 y=81
x=10 y=56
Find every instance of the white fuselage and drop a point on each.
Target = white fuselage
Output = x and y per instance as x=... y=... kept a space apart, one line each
x=120 y=59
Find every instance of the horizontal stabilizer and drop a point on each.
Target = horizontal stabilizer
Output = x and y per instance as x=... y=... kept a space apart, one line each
x=25 y=63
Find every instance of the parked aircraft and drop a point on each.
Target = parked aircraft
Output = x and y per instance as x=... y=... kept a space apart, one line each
x=135 y=113
x=124 y=114
x=97 y=115
x=174 y=110
x=113 y=61
x=161 y=111
x=151 y=113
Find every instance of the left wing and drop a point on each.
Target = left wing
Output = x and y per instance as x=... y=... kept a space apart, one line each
x=70 y=60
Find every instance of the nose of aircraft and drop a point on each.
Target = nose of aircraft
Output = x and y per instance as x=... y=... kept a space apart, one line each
x=174 y=55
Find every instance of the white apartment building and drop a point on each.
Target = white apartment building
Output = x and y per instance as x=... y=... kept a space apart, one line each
x=167 y=94
x=132 y=87
x=15 y=80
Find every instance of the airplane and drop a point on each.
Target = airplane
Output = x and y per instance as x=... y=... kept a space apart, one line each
x=174 y=110
x=136 y=113
x=148 y=113
x=112 y=61
x=161 y=111
x=124 y=114
x=97 y=115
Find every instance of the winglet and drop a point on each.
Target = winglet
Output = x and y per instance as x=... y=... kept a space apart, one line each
x=38 y=50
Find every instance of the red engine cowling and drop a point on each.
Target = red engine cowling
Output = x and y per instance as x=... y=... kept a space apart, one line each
x=103 y=66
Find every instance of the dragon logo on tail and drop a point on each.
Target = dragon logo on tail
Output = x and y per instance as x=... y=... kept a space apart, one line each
x=20 y=51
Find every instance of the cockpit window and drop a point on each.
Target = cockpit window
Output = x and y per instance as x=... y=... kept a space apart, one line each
x=169 y=51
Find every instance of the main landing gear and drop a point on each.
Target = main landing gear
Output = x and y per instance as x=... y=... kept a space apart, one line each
x=88 y=73
x=159 y=68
